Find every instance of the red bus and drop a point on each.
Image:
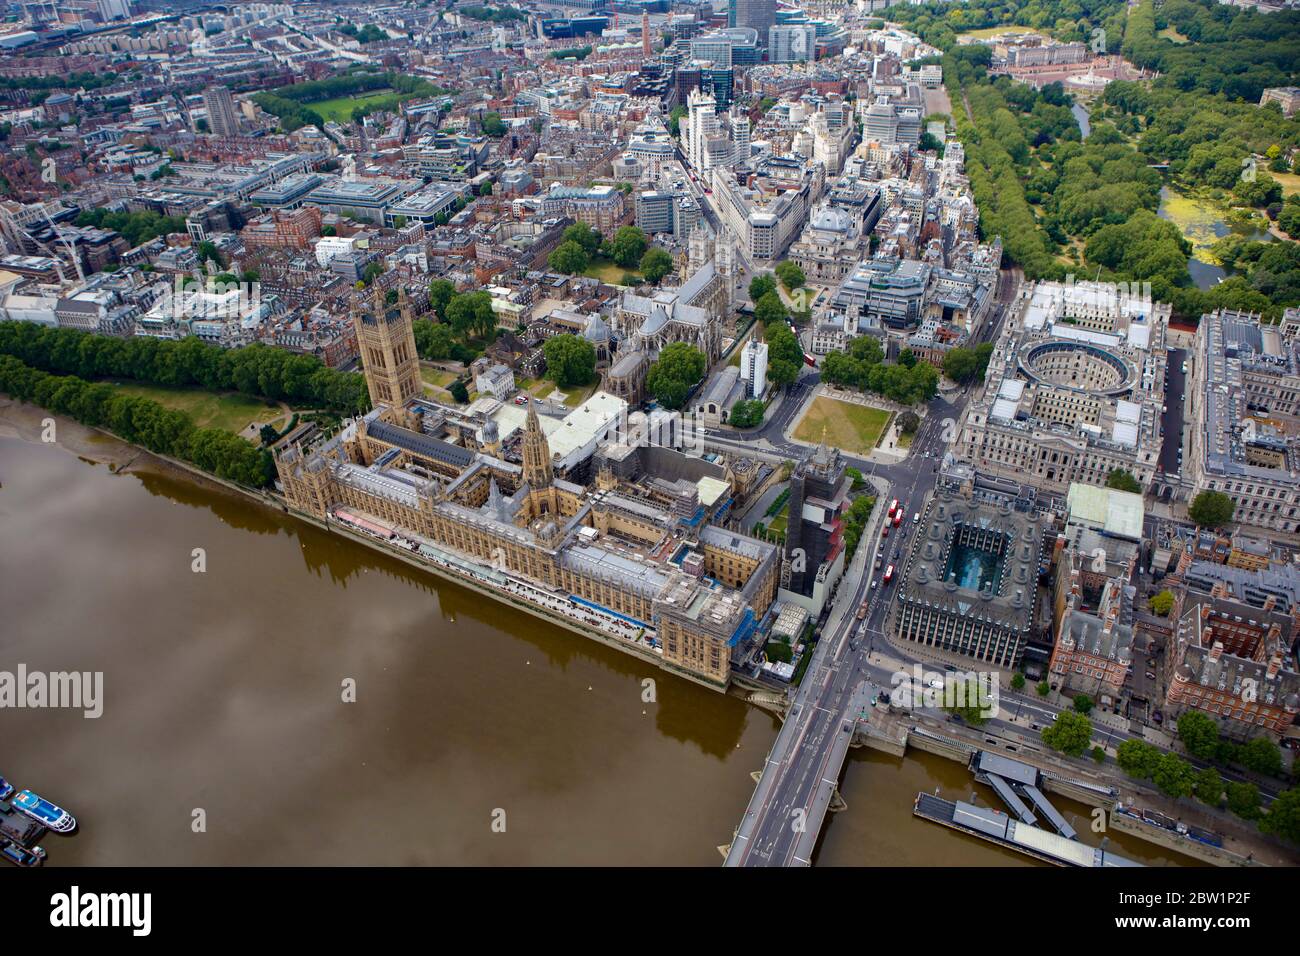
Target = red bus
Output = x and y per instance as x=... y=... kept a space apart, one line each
x=889 y=574
x=893 y=507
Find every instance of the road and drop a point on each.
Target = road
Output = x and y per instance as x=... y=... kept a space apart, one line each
x=785 y=814
x=1171 y=450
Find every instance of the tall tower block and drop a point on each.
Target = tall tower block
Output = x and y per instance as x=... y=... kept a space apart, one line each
x=645 y=33
x=386 y=340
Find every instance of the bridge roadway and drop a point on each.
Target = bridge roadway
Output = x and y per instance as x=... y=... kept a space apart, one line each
x=799 y=778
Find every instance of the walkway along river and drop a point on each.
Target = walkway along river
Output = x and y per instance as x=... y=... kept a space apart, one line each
x=223 y=694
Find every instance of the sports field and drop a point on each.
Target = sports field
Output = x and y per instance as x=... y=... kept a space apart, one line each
x=852 y=428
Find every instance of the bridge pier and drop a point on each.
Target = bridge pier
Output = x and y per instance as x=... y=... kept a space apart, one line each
x=838 y=802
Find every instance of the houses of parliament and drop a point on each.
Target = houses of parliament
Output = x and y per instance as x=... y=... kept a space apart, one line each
x=635 y=552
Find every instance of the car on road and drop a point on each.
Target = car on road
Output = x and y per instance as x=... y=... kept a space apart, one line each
x=916 y=518
x=1158 y=717
x=1035 y=727
x=1151 y=675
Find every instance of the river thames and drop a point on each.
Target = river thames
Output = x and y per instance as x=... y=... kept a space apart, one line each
x=478 y=734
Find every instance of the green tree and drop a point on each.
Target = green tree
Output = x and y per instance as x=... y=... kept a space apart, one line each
x=678 y=369
x=1211 y=509
x=1069 y=734
x=433 y=340
x=908 y=422
x=1243 y=800
x=1283 y=816
x=674 y=121
x=770 y=309
x=969 y=703
x=1122 y=480
x=1099 y=754
x=1262 y=756
x=568 y=257
x=855 y=521
x=1161 y=604
x=1173 y=776
x=1083 y=703
x=655 y=264
x=746 y=414
x=761 y=285
x=1137 y=758
x=965 y=365
x=493 y=125
x=583 y=235
x=784 y=354
x=628 y=246
x=570 y=360
x=1043 y=688
x=1199 y=734
x=268 y=434
x=441 y=292
x=790 y=274
x=1208 y=786
x=458 y=391
x=471 y=315
x=1017 y=681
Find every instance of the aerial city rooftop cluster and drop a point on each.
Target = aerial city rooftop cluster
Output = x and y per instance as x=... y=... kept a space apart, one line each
x=704 y=330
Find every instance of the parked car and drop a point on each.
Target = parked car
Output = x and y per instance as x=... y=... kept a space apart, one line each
x=1151 y=675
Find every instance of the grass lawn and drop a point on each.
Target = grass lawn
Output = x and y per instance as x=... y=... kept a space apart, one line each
x=230 y=412
x=986 y=32
x=608 y=271
x=1169 y=33
x=1290 y=182
x=536 y=387
x=853 y=428
x=781 y=521
x=436 y=381
x=340 y=108
x=576 y=396
x=437 y=377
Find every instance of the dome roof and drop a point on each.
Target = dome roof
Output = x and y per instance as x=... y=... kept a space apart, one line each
x=831 y=219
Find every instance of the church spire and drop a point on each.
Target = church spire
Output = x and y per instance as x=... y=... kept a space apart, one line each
x=537 y=452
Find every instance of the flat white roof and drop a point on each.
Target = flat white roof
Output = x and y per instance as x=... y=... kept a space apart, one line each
x=1115 y=512
x=711 y=489
x=584 y=423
